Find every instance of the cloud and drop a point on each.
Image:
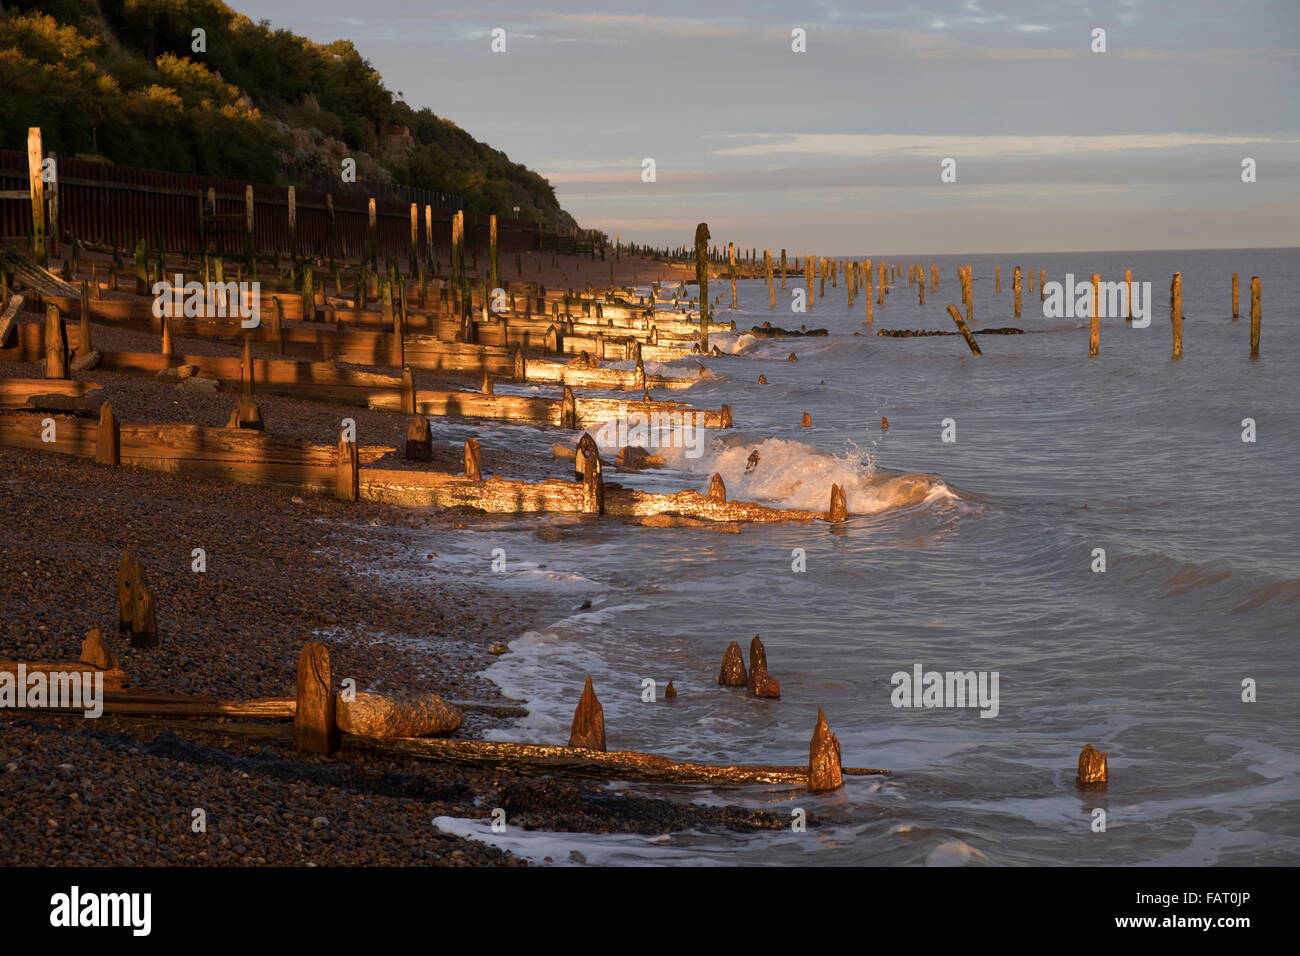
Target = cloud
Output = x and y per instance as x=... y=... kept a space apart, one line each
x=866 y=145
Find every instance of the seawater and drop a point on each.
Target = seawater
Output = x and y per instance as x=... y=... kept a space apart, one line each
x=975 y=554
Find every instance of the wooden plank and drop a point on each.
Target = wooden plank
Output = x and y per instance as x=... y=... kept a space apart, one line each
x=43 y=394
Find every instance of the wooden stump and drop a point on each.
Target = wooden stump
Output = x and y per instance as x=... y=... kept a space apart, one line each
x=1092 y=766
x=824 y=761
x=588 y=730
x=568 y=409
x=586 y=445
x=347 y=479
x=408 y=390
x=1094 y=318
x=593 y=484
x=1176 y=312
x=166 y=347
x=1236 y=288
x=248 y=414
x=839 y=510
x=473 y=470
x=761 y=684
x=108 y=437
x=315 y=725
x=1254 y=317
x=419 y=440
x=56 y=344
x=733 y=673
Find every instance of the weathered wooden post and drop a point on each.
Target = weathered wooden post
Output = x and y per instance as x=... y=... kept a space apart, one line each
x=492 y=251
x=84 y=346
x=1176 y=312
x=428 y=237
x=293 y=223
x=36 y=183
x=1254 y=317
x=920 y=288
x=408 y=390
x=964 y=329
x=767 y=271
x=1015 y=290
x=457 y=234
x=824 y=761
x=1092 y=766
x=783 y=268
x=588 y=728
x=473 y=455
x=593 y=485
x=1094 y=320
x=731 y=271
x=347 y=476
x=568 y=409
x=1042 y=281
x=56 y=343
x=934 y=278
x=413 y=259
x=1236 y=285
x=166 y=347
x=702 y=277
x=108 y=437
x=419 y=439
x=839 y=509
x=997 y=280
x=868 y=275
x=250 y=249
x=372 y=236
x=1128 y=294
x=315 y=719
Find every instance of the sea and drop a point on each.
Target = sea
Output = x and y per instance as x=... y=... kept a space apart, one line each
x=1112 y=543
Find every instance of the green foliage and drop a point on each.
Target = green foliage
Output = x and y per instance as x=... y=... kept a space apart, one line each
x=119 y=79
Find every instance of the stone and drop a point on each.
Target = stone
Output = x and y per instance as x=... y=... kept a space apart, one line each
x=498 y=648
x=86 y=362
x=670 y=692
x=761 y=684
x=733 y=673
x=824 y=761
x=200 y=384
x=1092 y=765
x=588 y=722
x=375 y=715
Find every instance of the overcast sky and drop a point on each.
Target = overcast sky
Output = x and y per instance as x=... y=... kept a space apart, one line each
x=837 y=150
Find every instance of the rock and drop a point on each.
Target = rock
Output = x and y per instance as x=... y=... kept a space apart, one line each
x=187 y=371
x=761 y=684
x=884 y=422
x=792 y=358
x=588 y=722
x=1092 y=765
x=824 y=758
x=172 y=372
x=95 y=653
x=733 y=673
x=374 y=715
x=498 y=649
x=762 y=380
x=200 y=384
x=84 y=363
x=670 y=691
x=807 y=420
x=634 y=458
x=717 y=490
x=318 y=822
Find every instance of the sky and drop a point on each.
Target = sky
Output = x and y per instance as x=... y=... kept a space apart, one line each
x=838 y=150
